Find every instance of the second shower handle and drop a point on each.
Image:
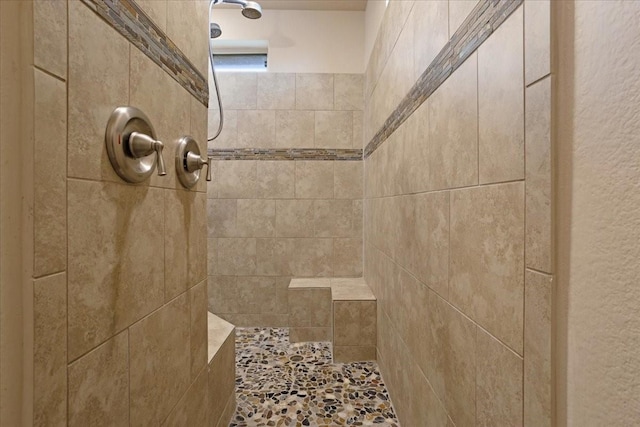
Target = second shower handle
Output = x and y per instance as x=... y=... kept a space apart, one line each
x=194 y=162
x=189 y=162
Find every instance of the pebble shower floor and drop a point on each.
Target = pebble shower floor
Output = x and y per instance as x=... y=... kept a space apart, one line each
x=290 y=385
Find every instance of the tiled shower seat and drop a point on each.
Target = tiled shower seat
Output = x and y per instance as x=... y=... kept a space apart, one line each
x=221 y=371
x=340 y=310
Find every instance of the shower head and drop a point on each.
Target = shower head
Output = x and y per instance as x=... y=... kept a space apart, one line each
x=250 y=9
x=215 y=31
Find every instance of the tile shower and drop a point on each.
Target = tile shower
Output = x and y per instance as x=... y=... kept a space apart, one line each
x=440 y=198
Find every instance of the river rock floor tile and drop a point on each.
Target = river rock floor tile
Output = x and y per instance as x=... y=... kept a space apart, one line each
x=279 y=384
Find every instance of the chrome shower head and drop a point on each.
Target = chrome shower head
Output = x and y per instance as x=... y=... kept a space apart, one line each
x=252 y=10
x=215 y=31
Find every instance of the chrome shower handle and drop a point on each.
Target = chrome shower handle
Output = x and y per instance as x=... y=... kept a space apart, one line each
x=141 y=145
x=195 y=162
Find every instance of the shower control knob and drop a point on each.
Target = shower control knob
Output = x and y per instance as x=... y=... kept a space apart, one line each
x=142 y=145
x=189 y=163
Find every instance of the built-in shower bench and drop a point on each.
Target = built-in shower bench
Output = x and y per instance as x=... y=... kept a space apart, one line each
x=340 y=310
x=221 y=371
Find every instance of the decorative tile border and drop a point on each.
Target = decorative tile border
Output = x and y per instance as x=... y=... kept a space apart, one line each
x=337 y=154
x=485 y=18
x=126 y=17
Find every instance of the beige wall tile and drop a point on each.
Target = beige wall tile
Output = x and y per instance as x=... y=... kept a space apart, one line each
x=267 y=260
x=358 y=130
x=416 y=151
x=458 y=12
x=334 y=129
x=346 y=354
x=453 y=130
x=97 y=85
x=228 y=412
x=347 y=180
x=354 y=323
x=221 y=217
x=236 y=256
x=222 y=294
x=538 y=350
x=272 y=320
x=501 y=103
x=170 y=120
x=185 y=243
x=159 y=364
x=310 y=307
x=237 y=179
x=214 y=185
x=50 y=186
x=50 y=350
x=212 y=256
x=430 y=32
x=256 y=128
x=314 y=91
x=295 y=129
x=301 y=257
x=256 y=294
x=305 y=334
x=537 y=39
x=221 y=379
x=487 y=251
x=348 y=92
x=314 y=179
x=50 y=36
x=198 y=126
x=188 y=28
x=337 y=218
x=191 y=410
x=539 y=238
x=295 y=218
x=276 y=91
x=239 y=91
x=117 y=273
x=228 y=137
x=498 y=383
x=256 y=218
x=198 y=328
x=347 y=257
x=99 y=385
x=276 y=179
x=156 y=10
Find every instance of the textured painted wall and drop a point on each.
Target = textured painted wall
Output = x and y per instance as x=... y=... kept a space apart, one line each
x=599 y=218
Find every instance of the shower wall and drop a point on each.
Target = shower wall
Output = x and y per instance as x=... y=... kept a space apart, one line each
x=276 y=216
x=115 y=295
x=458 y=223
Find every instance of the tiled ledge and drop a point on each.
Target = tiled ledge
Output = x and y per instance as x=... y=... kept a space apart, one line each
x=219 y=330
x=221 y=371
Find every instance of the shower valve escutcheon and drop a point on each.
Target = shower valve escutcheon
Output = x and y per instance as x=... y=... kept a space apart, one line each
x=189 y=163
x=132 y=147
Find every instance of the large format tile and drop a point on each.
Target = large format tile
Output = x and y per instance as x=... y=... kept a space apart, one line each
x=236 y=179
x=50 y=36
x=347 y=257
x=117 y=275
x=348 y=92
x=156 y=10
x=256 y=294
x=237 y=256
x=192 y=409
x=354 y=323
x=256 y=218
x=276 y=91
x=222 y=294
x=276 y=179
x=498 y=383
x=295 y=129
x=301 y=257
x=416 y=150
x=99 y=385
x=295 y=218
x=347 y=180
x=310 y=307
x=338 y=218
x=97 y=85
x=188 y=28
x=221 y=378
x=539 y=237
x=430 y=32
x=453 y=130
x=487 y=258
x=314 y=91
x=185 y=243
x=50 y=350
x=538 y=381
x=228 y=137
x=501 y=103
x=256 y=129
x=314 y=179
x=50 y=172
x=537 y=39
x=333 y=129
x=159 y=362
x=458 y=12
x=221 y=217
x=198 y=340
x=239 y=91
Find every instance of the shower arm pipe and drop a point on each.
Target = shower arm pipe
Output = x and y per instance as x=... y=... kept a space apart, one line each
x=215 y=80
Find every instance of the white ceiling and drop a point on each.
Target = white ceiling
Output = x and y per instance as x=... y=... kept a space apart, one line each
x=358 y=5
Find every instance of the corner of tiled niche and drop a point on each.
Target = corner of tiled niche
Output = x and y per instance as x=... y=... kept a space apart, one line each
x=458 y=233
x=287 y=198
x=119 y=272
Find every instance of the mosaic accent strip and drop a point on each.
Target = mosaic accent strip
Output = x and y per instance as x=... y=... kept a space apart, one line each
x=284 y=384
x=126 y=17
x=485 y=18
x=286 y=154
